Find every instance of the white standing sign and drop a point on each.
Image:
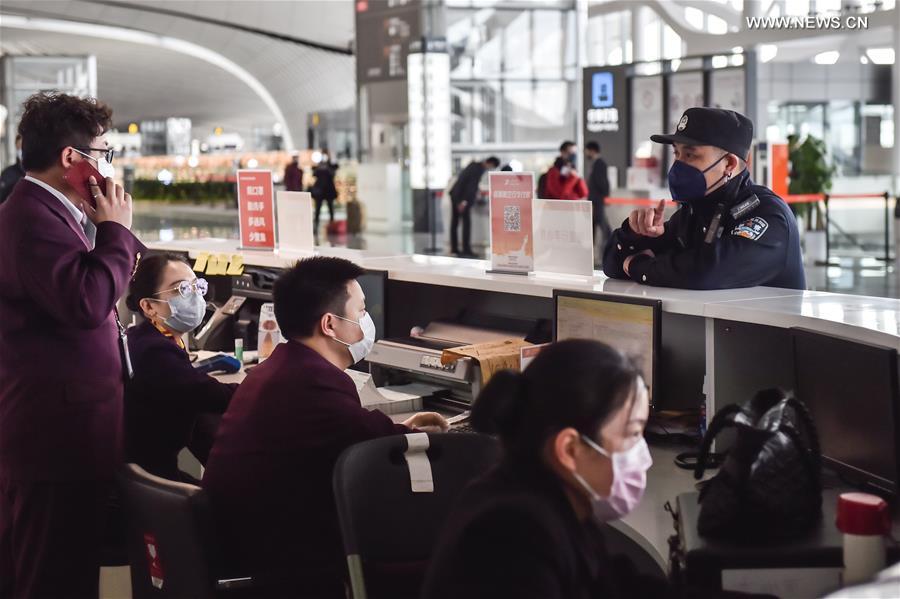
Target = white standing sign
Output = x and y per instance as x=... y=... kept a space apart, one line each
x=295 y=221
x=564 y=237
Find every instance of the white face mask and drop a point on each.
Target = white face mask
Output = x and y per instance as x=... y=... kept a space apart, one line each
x=360 y=349
x=19 y=154
x=629 y=469
x=107 y=171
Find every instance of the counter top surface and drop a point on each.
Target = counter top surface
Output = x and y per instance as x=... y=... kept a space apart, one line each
x=868 y=319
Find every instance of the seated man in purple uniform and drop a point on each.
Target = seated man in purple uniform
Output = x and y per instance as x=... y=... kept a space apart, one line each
x=269 y=473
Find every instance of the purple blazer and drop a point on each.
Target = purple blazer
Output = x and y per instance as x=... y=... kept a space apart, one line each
x=269 y=473
x=164 y=400
x=60 y=366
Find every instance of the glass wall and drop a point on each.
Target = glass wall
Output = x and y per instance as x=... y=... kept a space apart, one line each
x=859 y=137
x=513 y=78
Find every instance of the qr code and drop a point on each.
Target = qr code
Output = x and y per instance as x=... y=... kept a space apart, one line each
x=512 y=219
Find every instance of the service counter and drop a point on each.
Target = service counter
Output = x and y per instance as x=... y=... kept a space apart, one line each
x=717 y=347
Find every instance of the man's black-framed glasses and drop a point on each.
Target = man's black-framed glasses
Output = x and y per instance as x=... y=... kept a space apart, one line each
x=109 y=153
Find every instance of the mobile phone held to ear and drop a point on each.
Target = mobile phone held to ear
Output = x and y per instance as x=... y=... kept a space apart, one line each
x=79 y=178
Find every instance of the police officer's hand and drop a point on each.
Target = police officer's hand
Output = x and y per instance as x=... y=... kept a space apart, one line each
x=428 y=422
x=648 y=221
x=113 y=205
x=628 y=260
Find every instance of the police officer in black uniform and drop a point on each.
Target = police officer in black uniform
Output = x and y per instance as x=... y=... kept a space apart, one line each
x=728 y=231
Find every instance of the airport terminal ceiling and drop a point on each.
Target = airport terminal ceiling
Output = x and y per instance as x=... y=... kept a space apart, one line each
x=243 y=64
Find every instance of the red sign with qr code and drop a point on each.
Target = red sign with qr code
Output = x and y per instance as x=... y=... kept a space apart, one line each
x=512 y=245
x=256 y=209
x=154 y=565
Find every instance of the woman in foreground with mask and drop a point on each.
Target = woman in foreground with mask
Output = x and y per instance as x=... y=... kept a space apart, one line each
x=168 y=404
x=572 y=428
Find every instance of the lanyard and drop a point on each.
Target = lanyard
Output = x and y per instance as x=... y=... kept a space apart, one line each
x=123 y=346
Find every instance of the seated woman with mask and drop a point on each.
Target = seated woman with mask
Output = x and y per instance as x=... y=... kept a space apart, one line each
x=167 y=398
x=572 y=428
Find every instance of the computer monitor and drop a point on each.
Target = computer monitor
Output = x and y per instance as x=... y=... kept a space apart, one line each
x=851 y=391
x=374 y=286
x=630 y=325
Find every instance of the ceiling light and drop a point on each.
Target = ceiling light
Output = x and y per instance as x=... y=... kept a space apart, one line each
x=880 y=55
x=829 y=57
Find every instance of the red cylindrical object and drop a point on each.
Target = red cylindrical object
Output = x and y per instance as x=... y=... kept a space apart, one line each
x=863 y=514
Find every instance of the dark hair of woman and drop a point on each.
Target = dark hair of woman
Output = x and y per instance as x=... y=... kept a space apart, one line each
x=147 y=278
x=575 y=383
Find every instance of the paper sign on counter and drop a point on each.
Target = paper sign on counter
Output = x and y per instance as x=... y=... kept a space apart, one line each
x=528 y=354
x=236 y=268
x=218 y=265
x=256 y=209
x=564 y=237
x=212 y=264
x=200 y=263
x=492 y=356
x=512 y=245
x=295 y=221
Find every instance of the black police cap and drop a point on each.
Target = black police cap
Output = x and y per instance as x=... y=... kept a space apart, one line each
x=725 y=129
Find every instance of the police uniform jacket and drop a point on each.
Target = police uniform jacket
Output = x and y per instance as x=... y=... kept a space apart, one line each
x=761 y=247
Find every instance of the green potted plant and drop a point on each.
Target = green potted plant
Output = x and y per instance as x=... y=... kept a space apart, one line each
x=810 y=173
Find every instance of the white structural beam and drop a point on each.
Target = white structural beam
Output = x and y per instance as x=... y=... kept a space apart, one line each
x=895 y=100
x=169 y=43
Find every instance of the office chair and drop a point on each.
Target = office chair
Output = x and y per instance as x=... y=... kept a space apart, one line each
x=170 y=539
x=389 y=532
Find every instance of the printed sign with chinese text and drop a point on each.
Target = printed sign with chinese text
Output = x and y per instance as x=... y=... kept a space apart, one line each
x=512 y=246
x=256 y=209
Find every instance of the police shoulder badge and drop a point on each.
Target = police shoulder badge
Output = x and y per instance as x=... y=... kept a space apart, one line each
x=751 y=229
x=682 y=123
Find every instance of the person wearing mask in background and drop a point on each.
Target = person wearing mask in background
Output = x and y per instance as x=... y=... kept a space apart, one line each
x=63 y=265
x=168 y=398
x=13 y=173
x=562 y=181
x=598 y=189
x=728 y=232
x=572 y=429
x=269 y=475
x=293 y=175
x=463 y=196
x=324 y=190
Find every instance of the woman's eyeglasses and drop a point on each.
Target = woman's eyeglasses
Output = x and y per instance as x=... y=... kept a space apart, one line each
x=186 y=288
